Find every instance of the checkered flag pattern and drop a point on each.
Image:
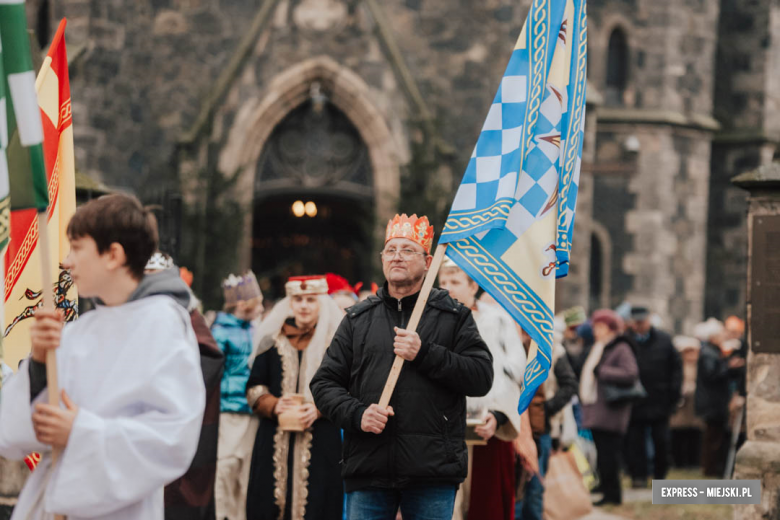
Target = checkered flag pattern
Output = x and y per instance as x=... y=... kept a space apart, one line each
x=524 y=170
x=515 y=173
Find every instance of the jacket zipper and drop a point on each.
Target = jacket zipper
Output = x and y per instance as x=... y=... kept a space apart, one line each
x=446 y=436
x=401 y=314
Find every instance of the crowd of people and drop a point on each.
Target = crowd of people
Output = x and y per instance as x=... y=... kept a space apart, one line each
x=679 y=400
x=278 y=418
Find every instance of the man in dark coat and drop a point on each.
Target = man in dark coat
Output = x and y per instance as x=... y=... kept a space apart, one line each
x=717 y=372
x=411 y=454
x=660 y=371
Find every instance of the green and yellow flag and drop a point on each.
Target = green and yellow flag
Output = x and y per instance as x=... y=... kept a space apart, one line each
x=22 y=168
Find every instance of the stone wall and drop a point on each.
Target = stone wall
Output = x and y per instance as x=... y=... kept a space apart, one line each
x=746 y=105
x=146 y=68
x=653 y=200
x=726 y=232
x=671 y=51
x=653 y=153
x=150 y=64
x=151 y=67
x=742 y=64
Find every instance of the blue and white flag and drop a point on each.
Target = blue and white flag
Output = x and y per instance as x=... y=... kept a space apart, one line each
x=510 y=226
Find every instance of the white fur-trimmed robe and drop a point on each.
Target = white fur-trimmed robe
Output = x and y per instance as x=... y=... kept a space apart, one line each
x=498 y=330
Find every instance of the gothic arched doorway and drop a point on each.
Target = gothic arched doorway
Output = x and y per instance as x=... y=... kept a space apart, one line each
x=313 y=201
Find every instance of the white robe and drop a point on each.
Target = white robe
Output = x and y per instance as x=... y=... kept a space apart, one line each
x=134 y=372
x=499 y=332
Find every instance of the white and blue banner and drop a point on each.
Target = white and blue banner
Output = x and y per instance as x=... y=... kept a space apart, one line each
x=510 y=226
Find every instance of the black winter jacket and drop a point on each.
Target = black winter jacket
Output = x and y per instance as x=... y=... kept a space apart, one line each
x=713 y=388
x=424 y=442
x=567 y=388
x=660 y=371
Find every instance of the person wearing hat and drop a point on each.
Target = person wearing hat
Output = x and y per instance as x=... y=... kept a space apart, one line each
x=489 y=491
x=233 y=331
x=735 y=331
x=577 y=338
x=342 y=293
x=295 y=467
x=366 y=289
x=717 y=370
x=661 y=374
x=611 y=362
x=686 y=428
x=411 y=455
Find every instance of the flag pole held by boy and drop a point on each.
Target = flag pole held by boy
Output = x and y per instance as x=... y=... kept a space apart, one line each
x=511 y=222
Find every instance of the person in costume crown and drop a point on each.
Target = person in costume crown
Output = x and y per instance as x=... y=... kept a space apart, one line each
x=233 y=330
x=342 y=293
x=412 y=454
x=489 y=492
x=295 y=462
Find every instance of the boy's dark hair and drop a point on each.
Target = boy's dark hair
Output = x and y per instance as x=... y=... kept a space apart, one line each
x=117 y=218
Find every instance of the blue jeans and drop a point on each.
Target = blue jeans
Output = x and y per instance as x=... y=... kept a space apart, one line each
x=421 y=503
x=531 y=507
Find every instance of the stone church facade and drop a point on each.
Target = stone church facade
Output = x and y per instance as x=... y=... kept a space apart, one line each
x=219 y=101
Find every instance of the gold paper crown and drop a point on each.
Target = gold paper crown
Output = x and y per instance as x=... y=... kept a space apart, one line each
x=300 y=285
x=417 y=230
x=241 y=288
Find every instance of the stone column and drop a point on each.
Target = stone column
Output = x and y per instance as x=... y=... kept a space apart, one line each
x=759 y=457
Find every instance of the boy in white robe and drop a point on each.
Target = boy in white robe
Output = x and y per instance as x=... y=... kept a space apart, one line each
x=130 y=377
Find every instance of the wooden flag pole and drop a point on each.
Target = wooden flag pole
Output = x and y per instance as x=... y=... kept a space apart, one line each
x=414 y=321
x=47 y=293
x=48 y=304
x=48 y=301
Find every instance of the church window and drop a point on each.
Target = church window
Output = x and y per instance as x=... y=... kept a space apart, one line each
x=617 y=67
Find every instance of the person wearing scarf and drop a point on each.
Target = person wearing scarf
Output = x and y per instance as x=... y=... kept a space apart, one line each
x=294 y=475
x=611 y=361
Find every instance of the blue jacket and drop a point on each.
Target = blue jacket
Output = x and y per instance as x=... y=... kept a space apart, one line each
x=234 y=337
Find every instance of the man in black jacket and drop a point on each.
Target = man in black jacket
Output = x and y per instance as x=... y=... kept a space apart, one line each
x=412 y=454
x=660 y=371
x=717 y=378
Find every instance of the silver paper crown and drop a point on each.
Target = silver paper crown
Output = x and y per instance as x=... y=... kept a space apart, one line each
x=241 y=288
x=159 y=262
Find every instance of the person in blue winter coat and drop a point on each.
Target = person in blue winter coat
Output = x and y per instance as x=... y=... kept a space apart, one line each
x=233 y=330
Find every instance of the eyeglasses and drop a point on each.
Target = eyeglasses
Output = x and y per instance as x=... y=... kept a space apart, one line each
x=405 y=254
